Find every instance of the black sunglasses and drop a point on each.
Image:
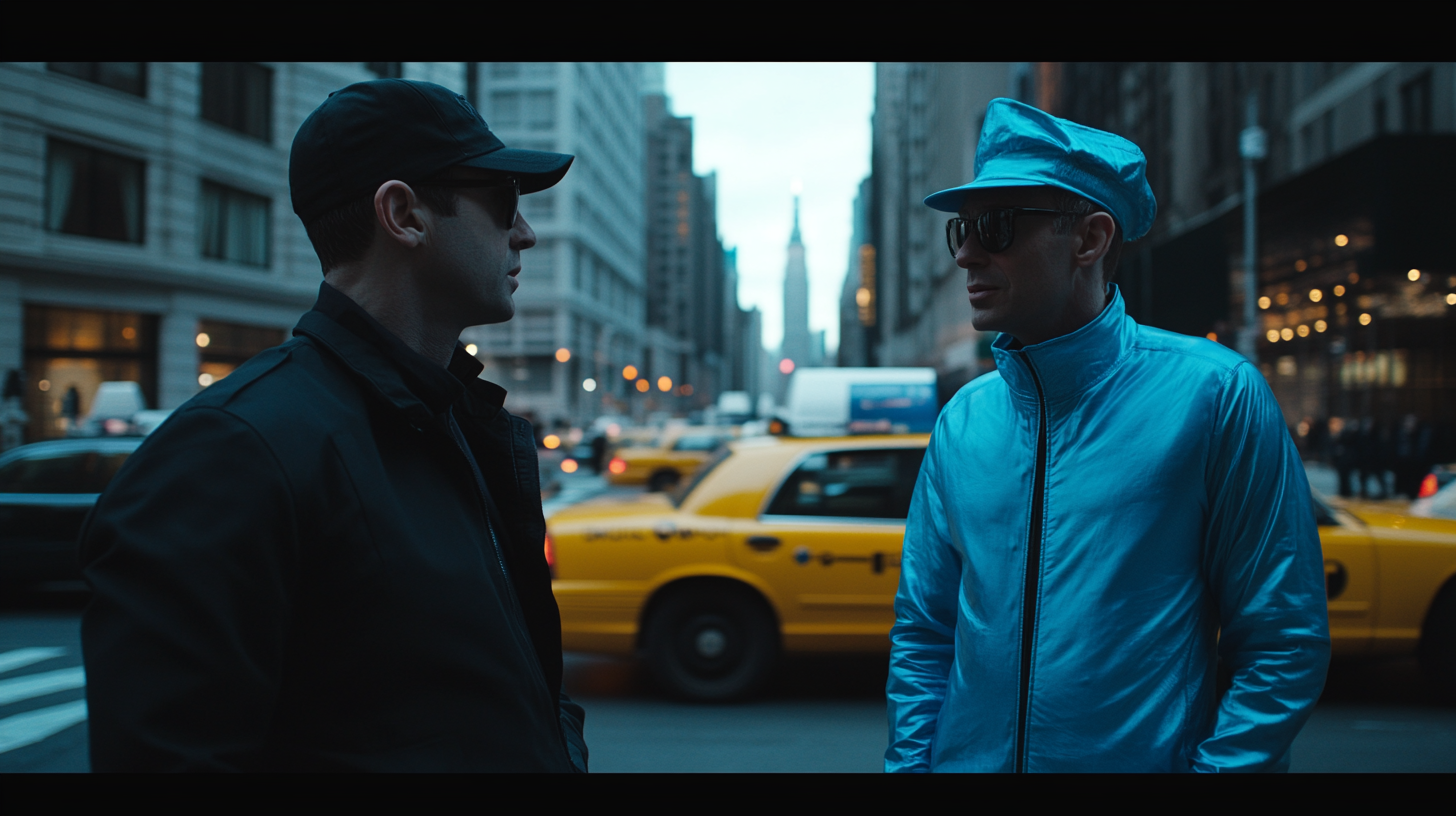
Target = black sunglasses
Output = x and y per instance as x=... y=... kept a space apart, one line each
x=510 y=181
x=994 y=228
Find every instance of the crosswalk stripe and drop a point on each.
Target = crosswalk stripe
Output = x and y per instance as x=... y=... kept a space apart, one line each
x=35 y=685
x=17 y=658
x=20 y=730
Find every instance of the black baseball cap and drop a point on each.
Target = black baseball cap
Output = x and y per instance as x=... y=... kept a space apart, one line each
x=371 y=132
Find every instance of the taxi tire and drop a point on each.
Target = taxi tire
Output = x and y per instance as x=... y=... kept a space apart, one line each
x=663 y=480
x=1438 y=641
x=748 y=636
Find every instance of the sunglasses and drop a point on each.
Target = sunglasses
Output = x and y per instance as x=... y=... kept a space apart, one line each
x=511 y=182
x=995 y=229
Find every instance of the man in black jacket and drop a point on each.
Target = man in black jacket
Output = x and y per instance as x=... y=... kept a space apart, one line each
x=333 y=558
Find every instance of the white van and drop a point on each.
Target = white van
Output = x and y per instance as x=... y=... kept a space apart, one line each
x=838 y=401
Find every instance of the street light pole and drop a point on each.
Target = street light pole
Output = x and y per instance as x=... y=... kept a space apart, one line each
x=1253 y=146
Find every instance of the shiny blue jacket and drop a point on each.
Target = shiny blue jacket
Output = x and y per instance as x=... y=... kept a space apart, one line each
x=1094 y=525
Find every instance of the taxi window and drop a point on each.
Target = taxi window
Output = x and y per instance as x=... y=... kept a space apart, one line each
x=1323 y=515
x=851 y=484
x=696 y=443
x=686 y=488
x=69 y=472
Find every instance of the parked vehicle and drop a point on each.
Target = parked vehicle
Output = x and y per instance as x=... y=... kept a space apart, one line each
x=46 y=490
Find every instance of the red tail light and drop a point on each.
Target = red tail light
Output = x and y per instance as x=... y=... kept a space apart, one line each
x=617 y=466
x=1428 y=486
x=550 y=555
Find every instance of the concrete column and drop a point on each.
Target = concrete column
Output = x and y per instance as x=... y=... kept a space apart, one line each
x=12 y=332
x=177 y=358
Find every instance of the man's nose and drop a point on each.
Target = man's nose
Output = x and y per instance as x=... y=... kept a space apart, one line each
x=970 y=254
x=522 y=236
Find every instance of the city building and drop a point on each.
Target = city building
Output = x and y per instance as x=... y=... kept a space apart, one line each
x=146 y=231
x=926 y=126
x=1355 y=288
x=581 y=308
x=857 y=323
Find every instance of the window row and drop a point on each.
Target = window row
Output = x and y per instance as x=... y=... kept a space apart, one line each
x=98 y=194
x=235 y=95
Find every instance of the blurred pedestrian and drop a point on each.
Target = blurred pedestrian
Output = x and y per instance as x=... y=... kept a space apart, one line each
x=1345 y=452
x=333 y=559
x=1103 y=518
x=1374 y=457
x=1411 y=460
x=13 y=417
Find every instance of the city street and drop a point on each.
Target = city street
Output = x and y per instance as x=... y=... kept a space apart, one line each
x=820 y=714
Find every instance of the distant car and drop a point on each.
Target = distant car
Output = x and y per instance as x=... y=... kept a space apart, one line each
x=669 y=458
x=783 y=544
x=46 y=490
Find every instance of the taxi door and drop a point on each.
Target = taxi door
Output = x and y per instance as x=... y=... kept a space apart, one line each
x=829 y=543
x=1349 y=553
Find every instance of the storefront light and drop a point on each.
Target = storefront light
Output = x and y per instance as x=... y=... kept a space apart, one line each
x=588 y=385
x=1273 y=336
x=1286 y=333
x=1339 y=291
x=1451 y=300
x=1342 y=240
x=1365 y=318
x=629 y=372
x=1414 y=274
x=471 y=348
x=1315 y=296
x=1320 y=326
x=203 y=339
x=1263 y=303
x=1302 y=331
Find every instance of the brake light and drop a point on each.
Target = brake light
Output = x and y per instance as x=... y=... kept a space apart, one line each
x=617 y=466
x=550 y=555
x=1428 y=486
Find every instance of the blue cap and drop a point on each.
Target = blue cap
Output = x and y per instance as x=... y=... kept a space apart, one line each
x=1023 y=147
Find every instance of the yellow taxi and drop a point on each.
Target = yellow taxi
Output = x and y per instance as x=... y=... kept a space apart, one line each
x=663 y=460
x=793 y=545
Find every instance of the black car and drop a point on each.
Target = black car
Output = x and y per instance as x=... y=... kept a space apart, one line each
x=46 y=490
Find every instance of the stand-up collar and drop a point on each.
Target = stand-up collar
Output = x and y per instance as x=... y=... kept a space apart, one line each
x=399 y=373
x=1068 y=365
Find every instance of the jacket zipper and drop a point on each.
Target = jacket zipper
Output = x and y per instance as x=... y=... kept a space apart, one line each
x=1033 y=570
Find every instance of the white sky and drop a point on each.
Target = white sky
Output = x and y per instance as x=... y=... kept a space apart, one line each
x=761 y=126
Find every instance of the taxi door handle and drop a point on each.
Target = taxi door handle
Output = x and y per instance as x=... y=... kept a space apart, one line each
x=763 y=543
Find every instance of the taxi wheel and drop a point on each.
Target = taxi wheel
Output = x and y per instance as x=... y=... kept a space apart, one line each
x=1438 y=641
x=663 y=480
x=711 y=644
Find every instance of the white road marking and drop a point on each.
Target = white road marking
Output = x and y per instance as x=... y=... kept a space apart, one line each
x=35 y=685
x=20 y=730
x=24 y=657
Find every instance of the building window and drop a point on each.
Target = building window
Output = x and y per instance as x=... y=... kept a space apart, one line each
x=540 y=113
x=505 y=109
x=1415 y=104
x=505 y=70
x=70 y=352
x=93 y=193
x=129 y=77
x=222 y=347
x=239 y=96
x=234 y=225
x=386 y=70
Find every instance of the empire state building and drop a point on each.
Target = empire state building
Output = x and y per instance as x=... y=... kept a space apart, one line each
x=796 y=299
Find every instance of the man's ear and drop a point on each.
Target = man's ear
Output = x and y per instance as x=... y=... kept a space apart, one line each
x=400 y=214
x=1094 y=239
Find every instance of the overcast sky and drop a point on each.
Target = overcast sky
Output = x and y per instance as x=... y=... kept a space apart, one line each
x=761 y=126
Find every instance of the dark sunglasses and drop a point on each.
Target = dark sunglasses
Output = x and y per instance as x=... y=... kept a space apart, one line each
x=995 y=229
x=466 y=184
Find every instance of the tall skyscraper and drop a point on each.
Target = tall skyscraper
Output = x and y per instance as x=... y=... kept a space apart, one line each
x=796 y=343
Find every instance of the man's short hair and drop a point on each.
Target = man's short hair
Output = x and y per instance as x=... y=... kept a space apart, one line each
x=1080 y=208
x=344 y=233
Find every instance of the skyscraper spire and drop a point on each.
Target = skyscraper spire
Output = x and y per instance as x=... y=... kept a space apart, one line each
x=796 y=297
x=794 y=236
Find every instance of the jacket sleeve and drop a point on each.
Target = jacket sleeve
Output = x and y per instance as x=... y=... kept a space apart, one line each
x=573 y=722
x=1266 y=573
x=922 y=641
x=191 y=558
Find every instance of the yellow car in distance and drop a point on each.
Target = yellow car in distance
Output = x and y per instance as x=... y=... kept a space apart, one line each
x=663 y=460
x=793 y=545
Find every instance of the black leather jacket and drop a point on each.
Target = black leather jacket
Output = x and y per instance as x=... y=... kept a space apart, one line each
x=300 y=570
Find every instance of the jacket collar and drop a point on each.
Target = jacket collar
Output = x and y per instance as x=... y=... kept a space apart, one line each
x=393 y=371
x=1072 y=363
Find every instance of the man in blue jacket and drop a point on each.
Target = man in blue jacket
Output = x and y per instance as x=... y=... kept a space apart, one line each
x=1105 y=516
